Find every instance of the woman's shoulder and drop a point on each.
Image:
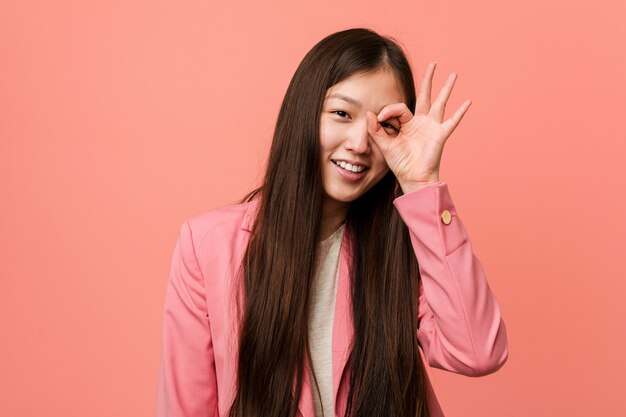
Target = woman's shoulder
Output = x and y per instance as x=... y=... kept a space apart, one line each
x=229 y=219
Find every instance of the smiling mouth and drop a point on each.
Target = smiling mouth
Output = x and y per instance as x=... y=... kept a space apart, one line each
x=365 y=168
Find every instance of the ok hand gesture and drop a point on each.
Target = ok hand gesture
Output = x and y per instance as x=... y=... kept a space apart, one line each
x=414 y=153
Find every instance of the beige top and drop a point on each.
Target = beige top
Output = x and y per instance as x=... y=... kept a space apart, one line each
x=322 y=310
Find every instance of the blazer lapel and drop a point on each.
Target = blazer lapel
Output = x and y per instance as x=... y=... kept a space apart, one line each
x=343 y=328
x=343 y=331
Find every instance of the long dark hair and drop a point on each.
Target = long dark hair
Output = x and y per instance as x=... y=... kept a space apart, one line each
x=386 y=370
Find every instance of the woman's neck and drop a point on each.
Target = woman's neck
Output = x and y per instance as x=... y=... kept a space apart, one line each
x=333 y=215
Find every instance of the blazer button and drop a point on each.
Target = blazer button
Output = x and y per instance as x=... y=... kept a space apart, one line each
x=446 y=217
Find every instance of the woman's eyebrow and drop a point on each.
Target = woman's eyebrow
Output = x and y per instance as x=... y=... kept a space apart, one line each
x=346 y=98
x=349 y=100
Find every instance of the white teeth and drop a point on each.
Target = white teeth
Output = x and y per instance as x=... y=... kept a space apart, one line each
x=349 y=167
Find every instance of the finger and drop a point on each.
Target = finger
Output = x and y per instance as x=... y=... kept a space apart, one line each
x=455 y=119
x=399 y=110
x=423 y=96
x=372 y=123
x=376 y=131
x=439 y=105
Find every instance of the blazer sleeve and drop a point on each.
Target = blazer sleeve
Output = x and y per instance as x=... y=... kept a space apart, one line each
x=186 y=384
x=460 y=328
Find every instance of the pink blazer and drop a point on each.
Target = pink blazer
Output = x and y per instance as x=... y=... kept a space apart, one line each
x=460 y=326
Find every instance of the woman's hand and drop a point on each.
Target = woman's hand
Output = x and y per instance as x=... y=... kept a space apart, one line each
x=414 y=153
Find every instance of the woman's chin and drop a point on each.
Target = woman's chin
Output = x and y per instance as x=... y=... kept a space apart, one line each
x=343 y=197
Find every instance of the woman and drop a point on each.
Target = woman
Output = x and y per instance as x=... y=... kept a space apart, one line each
x=313 y=295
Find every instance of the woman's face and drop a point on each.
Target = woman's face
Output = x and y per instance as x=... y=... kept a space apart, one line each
x=344 y=135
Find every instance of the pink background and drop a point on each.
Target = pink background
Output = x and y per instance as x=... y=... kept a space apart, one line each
x=119 y=119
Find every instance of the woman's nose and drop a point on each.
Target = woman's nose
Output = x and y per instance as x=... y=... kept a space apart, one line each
x=359 y=139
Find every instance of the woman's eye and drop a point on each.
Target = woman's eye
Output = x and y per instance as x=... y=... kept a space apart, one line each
x=340 y=113
x=390 y=125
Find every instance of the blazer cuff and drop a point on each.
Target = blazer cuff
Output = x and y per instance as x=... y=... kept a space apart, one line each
x=431 y=216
